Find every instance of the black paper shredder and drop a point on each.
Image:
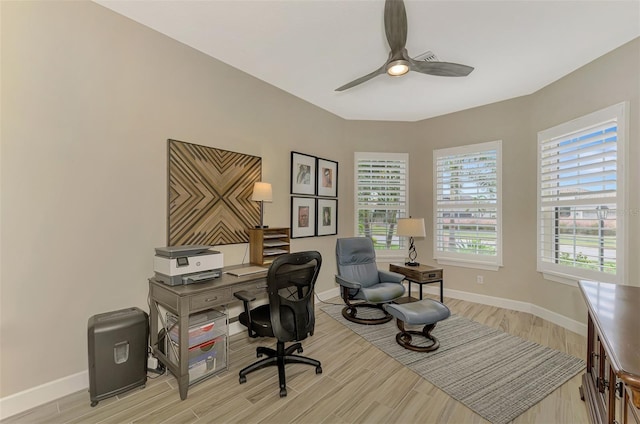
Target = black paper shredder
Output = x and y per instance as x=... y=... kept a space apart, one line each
x=117 y=352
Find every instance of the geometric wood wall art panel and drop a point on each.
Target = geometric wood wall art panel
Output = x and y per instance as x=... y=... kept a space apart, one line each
x=209 y=194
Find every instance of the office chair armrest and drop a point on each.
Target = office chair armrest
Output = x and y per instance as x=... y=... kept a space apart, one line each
x=350 y=284
x=390 y=277
x=245 y=296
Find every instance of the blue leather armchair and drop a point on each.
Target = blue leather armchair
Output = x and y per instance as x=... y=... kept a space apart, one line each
x=362 y=284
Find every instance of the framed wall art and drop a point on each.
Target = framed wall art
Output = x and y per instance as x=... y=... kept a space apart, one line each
x=327 y=217
x=303 y=217
x=327 y=178
x=209 y=195
x=303 y=174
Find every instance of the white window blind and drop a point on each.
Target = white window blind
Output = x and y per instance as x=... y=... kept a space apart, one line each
x=382 y=182
x=580 y=193
x=467 y=205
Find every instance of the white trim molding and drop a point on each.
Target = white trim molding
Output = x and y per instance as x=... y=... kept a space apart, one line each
x=39 y=395
x=515 y=305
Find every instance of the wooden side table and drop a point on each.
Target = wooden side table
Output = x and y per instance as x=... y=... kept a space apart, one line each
x=421 y=274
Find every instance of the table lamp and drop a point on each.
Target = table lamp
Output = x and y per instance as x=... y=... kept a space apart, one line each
x=262 y=193
x=411 y=227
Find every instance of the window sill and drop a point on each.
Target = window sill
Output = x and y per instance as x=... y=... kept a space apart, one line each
x=581 y=274
x=570 y=281
x=467 y=264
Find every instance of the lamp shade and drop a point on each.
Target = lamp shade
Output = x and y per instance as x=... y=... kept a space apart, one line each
x=411 y=227
x=262 y=192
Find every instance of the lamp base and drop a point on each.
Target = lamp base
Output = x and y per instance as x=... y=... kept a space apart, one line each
x=412 y=254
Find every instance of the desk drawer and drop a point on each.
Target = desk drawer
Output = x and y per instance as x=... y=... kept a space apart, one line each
x=254 y=288
x=209 y=299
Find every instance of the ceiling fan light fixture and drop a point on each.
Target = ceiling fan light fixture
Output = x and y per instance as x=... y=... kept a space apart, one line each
x=399 y=62
x=398 y=68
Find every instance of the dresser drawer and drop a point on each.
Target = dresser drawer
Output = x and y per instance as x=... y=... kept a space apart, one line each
x=210 y=299
x=633 y=413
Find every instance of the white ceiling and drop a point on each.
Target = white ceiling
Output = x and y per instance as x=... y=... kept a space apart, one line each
x=309 y=48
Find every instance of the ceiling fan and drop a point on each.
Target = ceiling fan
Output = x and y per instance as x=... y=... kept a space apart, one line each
x=399 y=62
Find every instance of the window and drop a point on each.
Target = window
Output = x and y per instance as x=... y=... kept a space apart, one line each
x=382 y=184
x=467 y=205
x=580 y=194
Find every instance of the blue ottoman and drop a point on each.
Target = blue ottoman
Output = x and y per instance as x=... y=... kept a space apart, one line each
x=425 y=312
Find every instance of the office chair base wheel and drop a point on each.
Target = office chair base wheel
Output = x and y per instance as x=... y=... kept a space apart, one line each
x=263 y=350
x=283 y=392
x=300 y=350
x=318 y=370
x=243 y=379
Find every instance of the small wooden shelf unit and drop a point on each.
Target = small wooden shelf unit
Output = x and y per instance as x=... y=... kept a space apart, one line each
x=266 y=244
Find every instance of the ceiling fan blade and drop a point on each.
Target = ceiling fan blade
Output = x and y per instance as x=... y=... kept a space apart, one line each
x=441 y=69
x=395 y=24
x=395 y=27
x=365 y=78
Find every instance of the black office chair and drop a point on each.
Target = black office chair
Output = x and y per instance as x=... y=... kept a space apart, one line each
x=289 y=316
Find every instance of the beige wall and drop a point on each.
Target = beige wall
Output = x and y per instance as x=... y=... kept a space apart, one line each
x=612 y=79
x=506 y=121
x=88 y=101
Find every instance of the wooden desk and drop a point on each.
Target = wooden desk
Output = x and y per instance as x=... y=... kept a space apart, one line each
x=611 y=384
x=421 y=274
x=183 y=301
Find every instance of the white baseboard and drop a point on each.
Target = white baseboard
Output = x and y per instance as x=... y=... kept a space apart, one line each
x=36 y=396
x=515 y=305
x=561 y=320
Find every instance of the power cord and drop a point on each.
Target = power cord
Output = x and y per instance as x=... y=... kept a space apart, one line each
x=326 y=303
x=153 y=364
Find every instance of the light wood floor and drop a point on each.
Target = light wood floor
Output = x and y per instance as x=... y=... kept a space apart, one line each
x=359 y=384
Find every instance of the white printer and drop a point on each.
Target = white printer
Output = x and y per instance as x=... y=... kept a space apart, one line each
x=177 y=265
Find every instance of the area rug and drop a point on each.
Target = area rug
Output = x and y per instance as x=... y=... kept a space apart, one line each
x=497 y=375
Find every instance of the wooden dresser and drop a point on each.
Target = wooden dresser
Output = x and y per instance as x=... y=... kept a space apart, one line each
x=611 y=384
